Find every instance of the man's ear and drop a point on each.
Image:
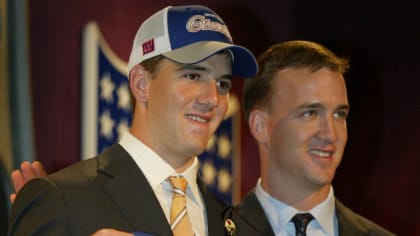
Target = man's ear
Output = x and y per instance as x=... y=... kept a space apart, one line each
x=258 y=125
x=139 y=83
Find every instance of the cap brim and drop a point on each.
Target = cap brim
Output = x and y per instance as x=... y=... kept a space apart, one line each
x=243 y=61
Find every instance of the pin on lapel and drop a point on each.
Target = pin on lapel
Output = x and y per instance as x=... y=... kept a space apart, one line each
x=230 y=227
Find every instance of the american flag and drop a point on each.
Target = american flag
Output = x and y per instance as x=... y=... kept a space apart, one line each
x=106 y=116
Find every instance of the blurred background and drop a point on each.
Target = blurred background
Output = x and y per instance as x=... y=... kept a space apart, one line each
x=40 y=86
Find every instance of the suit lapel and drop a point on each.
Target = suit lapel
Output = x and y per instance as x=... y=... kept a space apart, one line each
x=130 y=190
x=215 y=209
x=251 y=211
x=347 y=222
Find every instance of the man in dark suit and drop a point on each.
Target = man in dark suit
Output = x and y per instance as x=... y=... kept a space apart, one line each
x=180 y=73
x=296 y=109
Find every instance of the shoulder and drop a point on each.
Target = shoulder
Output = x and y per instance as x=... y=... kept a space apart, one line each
x=249 y=202
x=53 y=187
x=215 y=209
x=76 y=171
x=236 y=224
x=39 y=197
x=83 y=175
x=251 y=209
x=249 y=217
x=65 y=195
x=85 y=171
x=349 y=221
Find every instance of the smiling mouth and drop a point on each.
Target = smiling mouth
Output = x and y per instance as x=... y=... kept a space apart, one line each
x=197 y=119
x=319 y=153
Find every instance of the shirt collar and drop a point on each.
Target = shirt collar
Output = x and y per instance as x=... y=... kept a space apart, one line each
x=155 y=169
x=279 y=213
x=324 y=213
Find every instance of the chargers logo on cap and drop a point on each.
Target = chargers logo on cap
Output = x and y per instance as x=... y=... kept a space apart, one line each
x=199 y=22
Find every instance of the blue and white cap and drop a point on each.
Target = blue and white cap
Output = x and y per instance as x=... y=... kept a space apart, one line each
x=188 y=35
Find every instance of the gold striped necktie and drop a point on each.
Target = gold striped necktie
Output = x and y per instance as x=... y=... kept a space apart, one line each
x=180 y=222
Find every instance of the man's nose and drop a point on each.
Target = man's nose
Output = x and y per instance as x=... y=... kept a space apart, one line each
x=328 y=128
x=210 y=95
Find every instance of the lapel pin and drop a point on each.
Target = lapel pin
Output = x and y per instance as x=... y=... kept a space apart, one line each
x=230 y=227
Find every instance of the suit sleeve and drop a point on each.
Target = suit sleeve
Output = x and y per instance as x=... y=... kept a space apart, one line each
x=39 y=209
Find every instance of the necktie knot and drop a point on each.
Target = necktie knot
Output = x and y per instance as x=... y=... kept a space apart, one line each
x=178 y=183
x=301 y=221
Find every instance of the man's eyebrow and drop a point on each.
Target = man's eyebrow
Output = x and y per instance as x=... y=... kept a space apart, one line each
x=344 y=107
x=191 y=67
x=182 y=67
x=310 y=105
x=320 y=105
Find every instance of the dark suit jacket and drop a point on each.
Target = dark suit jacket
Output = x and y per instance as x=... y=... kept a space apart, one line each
x=250 y=219
x=108 y=191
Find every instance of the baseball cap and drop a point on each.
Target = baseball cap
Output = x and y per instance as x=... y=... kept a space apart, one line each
x=189 y=34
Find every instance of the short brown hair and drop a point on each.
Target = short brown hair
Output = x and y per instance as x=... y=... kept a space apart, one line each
x=296 y=54
x=150 y=65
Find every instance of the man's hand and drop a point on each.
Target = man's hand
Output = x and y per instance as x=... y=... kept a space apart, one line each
x=111 y=232
x=27 y=172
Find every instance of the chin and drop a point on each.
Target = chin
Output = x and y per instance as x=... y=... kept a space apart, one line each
x=326 y=180
x=321 y=178
x=197 y=149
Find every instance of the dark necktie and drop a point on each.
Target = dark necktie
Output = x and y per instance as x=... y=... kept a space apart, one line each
x=301 y=221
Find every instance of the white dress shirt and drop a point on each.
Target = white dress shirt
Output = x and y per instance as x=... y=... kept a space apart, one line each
x=157 y=172
x=279 y=215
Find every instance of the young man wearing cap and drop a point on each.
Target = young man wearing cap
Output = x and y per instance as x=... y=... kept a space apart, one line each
x=180 y=72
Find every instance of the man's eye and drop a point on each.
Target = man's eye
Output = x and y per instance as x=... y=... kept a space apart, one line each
x=224 y=86
x=309 y=114
x=192 y=76
x=341 y=114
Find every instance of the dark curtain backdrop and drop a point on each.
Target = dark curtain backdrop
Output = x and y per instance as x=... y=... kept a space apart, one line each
x=377 y=177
